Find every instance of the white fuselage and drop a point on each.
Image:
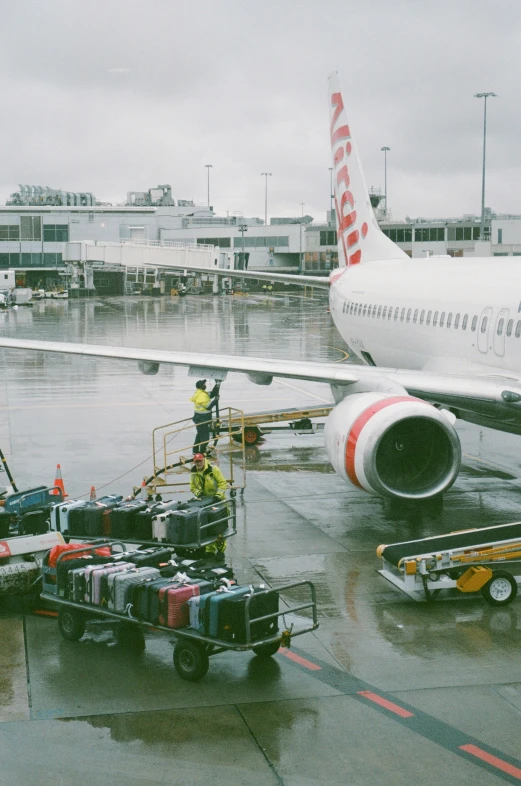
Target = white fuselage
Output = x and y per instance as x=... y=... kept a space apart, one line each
x=443 y=314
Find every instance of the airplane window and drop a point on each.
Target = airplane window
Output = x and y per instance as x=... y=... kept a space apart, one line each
x=379 y=312
x=474 y=323
x=428 y=320
x=435 y=319
x=456 y=322
x=464 y=323
x=389 y=315
x=484 y=323
x=409 y=315
x=384 y=312
x=449 y=320
x=518 y=329
x=364 y=312
x=422 y=316
x=510 y=325
x=396 y=313
x=344 y=308
x=442 y=318
x=374 y=311
x=500 y=326
x=402 y=316
x=415 y=317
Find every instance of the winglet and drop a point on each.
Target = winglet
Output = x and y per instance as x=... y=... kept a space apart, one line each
x=360 y=239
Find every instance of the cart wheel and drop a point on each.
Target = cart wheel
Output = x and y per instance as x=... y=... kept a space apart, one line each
x=190 y=660
x=266 y=650
x=251 y=435
x=501 y=589
x=71 y=623
x=129 y=635
x=233 y=493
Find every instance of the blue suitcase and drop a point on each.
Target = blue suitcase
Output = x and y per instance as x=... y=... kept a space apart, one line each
x=209 y=615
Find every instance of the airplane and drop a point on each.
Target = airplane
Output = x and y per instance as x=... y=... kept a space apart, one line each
x=439 y=339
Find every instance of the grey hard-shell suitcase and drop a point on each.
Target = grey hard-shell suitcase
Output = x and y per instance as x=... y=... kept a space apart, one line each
x=119 y=585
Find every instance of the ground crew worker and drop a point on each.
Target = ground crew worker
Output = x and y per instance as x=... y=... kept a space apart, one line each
x=202 y=418
x=207 y=480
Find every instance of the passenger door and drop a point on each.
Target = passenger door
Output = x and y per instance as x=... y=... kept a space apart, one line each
x=483 y=330
x=499 y=332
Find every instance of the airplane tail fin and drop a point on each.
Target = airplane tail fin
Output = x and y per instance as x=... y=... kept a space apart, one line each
x=360 y=239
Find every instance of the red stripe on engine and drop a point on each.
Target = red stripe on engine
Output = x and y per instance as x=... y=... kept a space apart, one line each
x=356 y=429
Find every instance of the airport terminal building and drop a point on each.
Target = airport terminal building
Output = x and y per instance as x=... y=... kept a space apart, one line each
x=38 y=225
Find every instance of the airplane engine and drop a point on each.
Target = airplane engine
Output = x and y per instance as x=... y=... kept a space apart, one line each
x=149 y=367
x=393 y=446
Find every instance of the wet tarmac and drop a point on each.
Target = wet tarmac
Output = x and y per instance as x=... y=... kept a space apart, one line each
x=385 y=691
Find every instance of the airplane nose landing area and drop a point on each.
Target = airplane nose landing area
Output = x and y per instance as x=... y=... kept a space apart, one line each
x=384 y=691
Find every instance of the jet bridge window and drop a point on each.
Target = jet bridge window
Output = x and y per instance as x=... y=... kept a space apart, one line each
x=474 y=323
x=435 y=319
x=442 y=319
x=464 y=323
x=409 y=312
x=518 y=329
x=415 y=317
x=484 y=323
x=422 y=316
x=456 y=321
x=510 y=325
x=449 y=320
x=428 y=320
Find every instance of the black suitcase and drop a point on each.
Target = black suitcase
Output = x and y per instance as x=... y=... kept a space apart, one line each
x=122 y=517
x=142 y=525
x=184 y=524
x=150 y=558
x=206 y=568
x=77 y=522
x=232 y=618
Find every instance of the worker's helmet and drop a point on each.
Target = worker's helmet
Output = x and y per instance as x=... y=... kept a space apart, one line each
x=200 y=384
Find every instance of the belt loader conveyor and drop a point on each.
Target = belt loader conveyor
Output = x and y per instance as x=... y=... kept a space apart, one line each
x=477 y=560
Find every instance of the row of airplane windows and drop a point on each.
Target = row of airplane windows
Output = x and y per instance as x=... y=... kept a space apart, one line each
x=430 y=317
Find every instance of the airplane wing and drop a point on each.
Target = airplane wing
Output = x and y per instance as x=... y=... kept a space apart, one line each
x=491 y=396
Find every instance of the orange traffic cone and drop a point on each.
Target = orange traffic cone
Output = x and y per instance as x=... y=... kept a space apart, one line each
x=92 y=493
x=59 y=482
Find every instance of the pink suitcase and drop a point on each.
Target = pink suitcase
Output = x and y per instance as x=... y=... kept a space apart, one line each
x=95 y=579
x=174 y=611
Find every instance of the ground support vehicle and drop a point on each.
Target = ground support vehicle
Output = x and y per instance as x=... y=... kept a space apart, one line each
x=192 y=650
x=27 y=512
x=249 y=429
x=484 y=560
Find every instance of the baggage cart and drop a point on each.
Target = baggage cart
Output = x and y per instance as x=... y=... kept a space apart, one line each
x=192 y=649
x=484 y=560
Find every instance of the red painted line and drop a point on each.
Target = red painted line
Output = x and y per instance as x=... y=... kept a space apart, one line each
x=301 y=661
x=499 y=763
x=44 y=613
x=385 y=703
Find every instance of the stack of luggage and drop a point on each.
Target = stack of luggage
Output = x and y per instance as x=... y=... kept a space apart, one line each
x=180 y=523
x=151 y=585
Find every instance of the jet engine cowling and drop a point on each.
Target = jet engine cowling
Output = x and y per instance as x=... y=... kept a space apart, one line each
x=393 y=446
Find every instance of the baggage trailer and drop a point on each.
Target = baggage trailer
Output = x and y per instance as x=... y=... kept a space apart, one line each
x=477 y=560
x=192 y=649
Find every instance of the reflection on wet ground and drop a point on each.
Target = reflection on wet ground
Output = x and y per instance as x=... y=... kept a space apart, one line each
x=261 y=723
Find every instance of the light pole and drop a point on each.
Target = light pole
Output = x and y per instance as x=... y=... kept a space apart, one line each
x=331 y=195
x=300 y=252
x=208 y=167
x=485 y=96
x=243 y=228
x=266 y=175
x=385 y=149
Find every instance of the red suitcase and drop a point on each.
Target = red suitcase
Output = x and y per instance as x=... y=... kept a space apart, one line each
x=174 y=611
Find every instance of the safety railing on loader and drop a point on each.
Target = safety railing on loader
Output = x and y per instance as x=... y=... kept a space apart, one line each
x=172 y=448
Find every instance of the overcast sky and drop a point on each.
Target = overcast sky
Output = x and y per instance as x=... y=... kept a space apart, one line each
x=111 y=96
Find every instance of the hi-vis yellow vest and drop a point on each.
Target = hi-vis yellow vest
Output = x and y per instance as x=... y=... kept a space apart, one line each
x=201 y=401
